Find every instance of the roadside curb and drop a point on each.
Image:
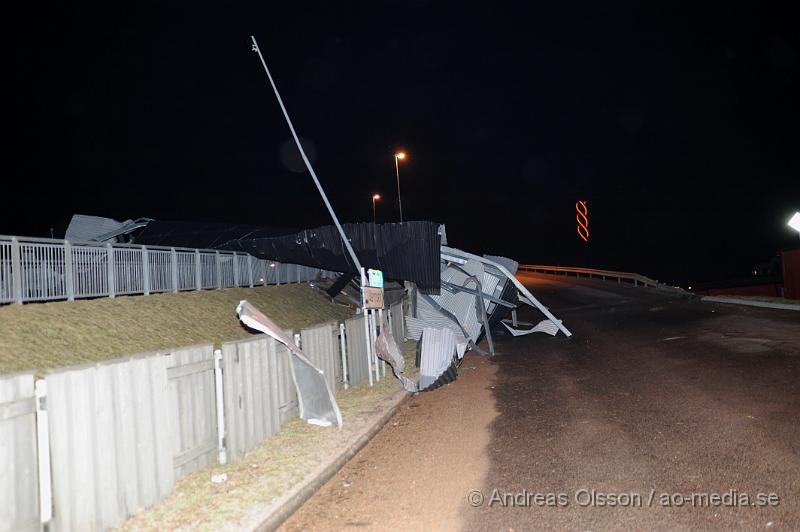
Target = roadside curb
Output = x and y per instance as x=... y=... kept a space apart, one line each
x=751 y=303
x=280 y=510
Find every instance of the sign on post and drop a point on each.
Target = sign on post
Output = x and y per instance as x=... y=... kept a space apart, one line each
x=373 y=297
x=375 y=278
x=373 y=292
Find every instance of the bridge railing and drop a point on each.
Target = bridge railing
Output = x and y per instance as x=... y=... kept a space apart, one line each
x=591 y=273
x=46 y=269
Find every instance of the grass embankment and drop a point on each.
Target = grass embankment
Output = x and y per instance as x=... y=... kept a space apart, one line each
x=49 y=335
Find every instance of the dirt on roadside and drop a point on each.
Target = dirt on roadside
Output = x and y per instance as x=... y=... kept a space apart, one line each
x=398 y=472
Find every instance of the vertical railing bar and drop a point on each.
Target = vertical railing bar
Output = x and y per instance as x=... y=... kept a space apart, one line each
x=218 y=267
x=198 y=272
x=112 y=286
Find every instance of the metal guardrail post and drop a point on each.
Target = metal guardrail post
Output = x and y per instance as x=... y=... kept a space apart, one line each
x=373 y=335
x=220 y=403
x=198 y=271
x=43 y=452
x=112 y=273
x=145 y=271
x=343 y=351
x=16 y=270
x=173 y=255
x=236 y=275
x=69 y=279
x=218 y=268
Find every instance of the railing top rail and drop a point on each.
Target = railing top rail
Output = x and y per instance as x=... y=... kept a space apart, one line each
x=608 y=273
x=58 y=241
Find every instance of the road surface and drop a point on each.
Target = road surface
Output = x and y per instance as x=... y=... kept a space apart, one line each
x=660 y=412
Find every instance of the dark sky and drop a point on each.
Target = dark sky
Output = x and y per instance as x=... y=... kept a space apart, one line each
x=678 y=125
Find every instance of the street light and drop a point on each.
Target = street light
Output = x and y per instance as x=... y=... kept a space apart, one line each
x=397 y=157
x=794 y=222
x=375 y=197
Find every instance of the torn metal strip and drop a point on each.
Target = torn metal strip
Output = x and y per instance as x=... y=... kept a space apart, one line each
x=317 y=403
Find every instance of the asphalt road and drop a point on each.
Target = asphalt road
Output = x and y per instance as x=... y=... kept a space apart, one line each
x=660 y=412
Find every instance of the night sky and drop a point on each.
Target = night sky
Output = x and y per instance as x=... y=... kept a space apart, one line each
x=678 y=126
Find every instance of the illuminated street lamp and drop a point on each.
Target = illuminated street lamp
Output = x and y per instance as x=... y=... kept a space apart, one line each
x=397 y=156
x=375 y=197
x=794 y=222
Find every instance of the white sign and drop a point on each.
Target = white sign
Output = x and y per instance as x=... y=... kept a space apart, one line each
x=375 y=278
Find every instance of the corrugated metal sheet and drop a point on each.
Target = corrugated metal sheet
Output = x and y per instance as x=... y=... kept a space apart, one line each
x=396 y=321
x=83 y=227
x=19 y=487
x=438 y=348
x=510 y=264
x=407 y=251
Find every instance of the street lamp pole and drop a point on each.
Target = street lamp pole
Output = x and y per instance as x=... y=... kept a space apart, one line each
x=397 y=157
x=375 y=197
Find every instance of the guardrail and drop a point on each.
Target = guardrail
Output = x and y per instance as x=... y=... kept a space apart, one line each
x=627 y=277
x=45 y=269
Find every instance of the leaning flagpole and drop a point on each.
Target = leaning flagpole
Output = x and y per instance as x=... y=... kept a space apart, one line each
x=305 y=159
x=349 y=247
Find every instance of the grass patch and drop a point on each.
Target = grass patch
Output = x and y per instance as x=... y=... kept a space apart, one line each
x=40 y=336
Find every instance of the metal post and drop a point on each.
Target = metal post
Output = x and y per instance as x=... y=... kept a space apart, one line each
x=43 y=452
x=367 y=334
x=373 y=337
x=68 y=275
x=311 y=171
x=220 y=400
x=399 y=198
x=16 y=270
x=198 y=271
x=218 y=267
x=146 y=270
x=250 y=269
x=381 y=323
x=112 y=273
x=236 y=275
x=174 y=258
x=343 y=351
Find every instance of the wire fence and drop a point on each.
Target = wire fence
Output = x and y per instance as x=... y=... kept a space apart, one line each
x=43 y=269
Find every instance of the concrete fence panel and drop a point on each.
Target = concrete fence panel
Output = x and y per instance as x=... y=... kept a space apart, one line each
x=109 y=438
x=321 y=345
x=358 y=365
x=259 y=392
x=396 y=322
x=19 y=495
x=192 y=408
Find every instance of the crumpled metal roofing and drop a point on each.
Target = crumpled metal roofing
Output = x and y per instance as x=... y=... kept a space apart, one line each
x=403 y=251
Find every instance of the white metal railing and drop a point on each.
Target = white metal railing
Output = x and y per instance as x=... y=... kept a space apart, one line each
x=46 y=269
x=591 y=273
